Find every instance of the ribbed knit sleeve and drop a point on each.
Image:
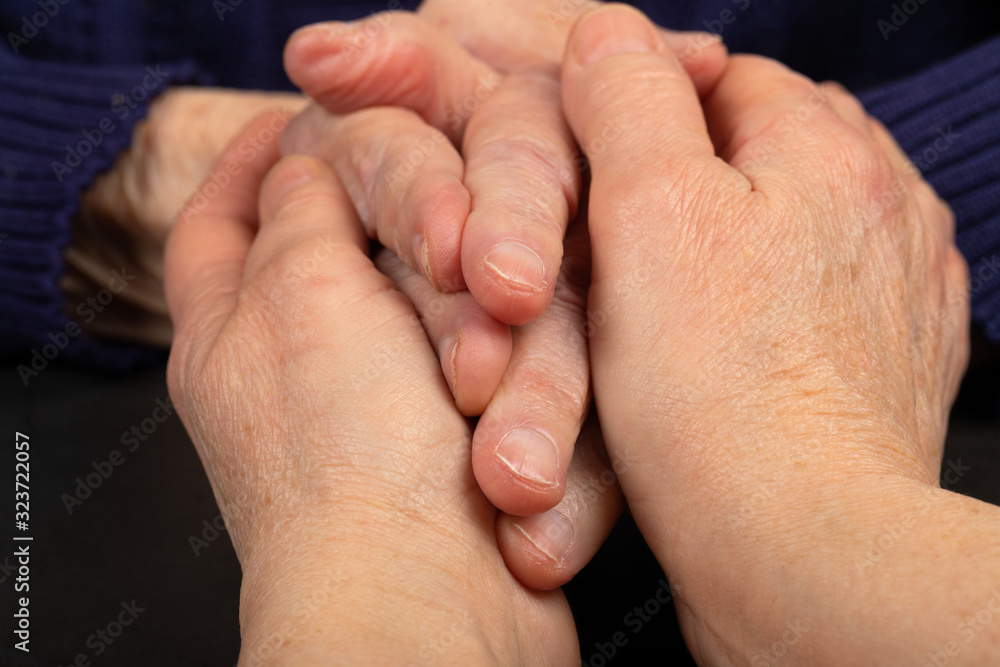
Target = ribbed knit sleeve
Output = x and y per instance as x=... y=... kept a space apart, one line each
x=60 y=126
x=947 y=119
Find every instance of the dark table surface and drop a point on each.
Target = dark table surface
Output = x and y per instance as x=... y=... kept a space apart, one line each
x=138 y=543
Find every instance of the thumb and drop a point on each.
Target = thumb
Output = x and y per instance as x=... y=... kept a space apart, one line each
x=636 y=114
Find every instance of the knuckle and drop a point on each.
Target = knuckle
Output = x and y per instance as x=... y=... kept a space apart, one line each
x=638 y=83
x=855 y=168
x=295 y=277
x=540 y=160
x=525 y=212
x=842 y=99
x=630 y=93
x=958 y=272
x=553 y=391
x=635 y=204
x=849 y=152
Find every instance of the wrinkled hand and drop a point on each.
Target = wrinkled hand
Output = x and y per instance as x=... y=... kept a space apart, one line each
x=332 y=442
x=491 y=218
x=786 y=325
x=531 y=380
x=523 y=178
x=127 y=213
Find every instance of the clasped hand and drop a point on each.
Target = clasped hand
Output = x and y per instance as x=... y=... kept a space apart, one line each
x=756 y=278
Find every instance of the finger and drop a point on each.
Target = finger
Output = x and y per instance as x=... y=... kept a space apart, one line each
x=208 y=246
x=849 y=108
x=702 y=54
x=397 y=59
x=936 y=211
x=760 y=107
x=523 y=443
x=547 y=550
x=306 y=218
x=846 y=106
x=391 y=59
x=512 y=38
x=900 y=161
x=474 y=348
x=404 y=179
x=635 y=112
x=522 y=175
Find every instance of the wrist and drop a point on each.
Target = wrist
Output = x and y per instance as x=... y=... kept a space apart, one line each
x=800 y=569
x=362 y=596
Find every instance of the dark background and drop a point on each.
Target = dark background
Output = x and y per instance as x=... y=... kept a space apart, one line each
x=130 y=539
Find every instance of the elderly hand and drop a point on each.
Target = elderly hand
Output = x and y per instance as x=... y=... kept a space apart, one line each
x=332 y=442
x=452 y=218
x=787 y=329
x=126 y=215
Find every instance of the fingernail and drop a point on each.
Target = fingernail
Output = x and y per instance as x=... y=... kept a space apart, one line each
x=613 y=30
x=530 y=455
x=421 y=256
x=517 y=263
x=448 y=353
x=550 y=532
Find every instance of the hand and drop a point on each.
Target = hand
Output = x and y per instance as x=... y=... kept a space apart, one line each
x=127 y=213
x=525 y=33
x=787 y=326
x=332 y=443
x=519 y=181
x=523 y=172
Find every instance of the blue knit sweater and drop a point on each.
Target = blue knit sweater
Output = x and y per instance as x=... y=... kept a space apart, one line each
x=77 y=75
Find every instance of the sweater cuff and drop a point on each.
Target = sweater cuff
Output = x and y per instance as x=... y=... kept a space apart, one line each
x=947 y=119
x=61 y=126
